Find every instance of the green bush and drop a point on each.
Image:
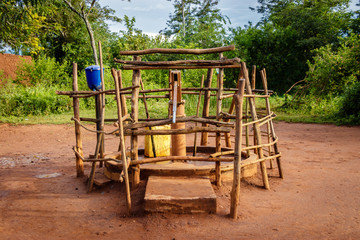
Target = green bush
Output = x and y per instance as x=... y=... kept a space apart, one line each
x=17 y=100
x=333 y=71
x=349 y=112
x=44 y=71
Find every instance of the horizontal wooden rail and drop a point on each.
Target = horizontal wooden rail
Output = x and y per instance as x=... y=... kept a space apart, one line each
x=181 y=62
x=129 y=132
x=133 y=67
x=179 y=51
x=182 y=158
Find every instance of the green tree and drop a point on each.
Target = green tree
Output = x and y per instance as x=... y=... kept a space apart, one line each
x=197 y=21
x=83 y=11
x=22 y=24
x=284 y=40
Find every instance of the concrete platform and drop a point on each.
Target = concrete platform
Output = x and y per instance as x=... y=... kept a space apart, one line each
x=179 y=195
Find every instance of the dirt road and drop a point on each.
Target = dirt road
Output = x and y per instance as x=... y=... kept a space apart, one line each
x=40 y=197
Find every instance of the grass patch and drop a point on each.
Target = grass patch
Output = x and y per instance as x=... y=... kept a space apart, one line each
x=158 y=108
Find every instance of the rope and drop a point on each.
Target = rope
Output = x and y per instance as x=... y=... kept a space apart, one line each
x=94 y=131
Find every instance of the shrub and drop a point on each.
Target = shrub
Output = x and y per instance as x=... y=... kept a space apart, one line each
x=350 y=108
x=18 y=100
x=44 y=71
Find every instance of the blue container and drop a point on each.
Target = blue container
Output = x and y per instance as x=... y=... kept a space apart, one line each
x=93 y=77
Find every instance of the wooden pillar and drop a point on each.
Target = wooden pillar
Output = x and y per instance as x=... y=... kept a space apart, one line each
x=178 y=141
x=122 y=96
x=257 y=132
x=122 y=142
x=220 y=86
x=197 y=114
x=78 y=146
x=102 y=108
x=231 y=110
x=206 y=107
x=98 y=116
x=135 y=117
x=235 y=192
x=124 y=110
x=253 y=83
x=253 y=77
x=271 y=124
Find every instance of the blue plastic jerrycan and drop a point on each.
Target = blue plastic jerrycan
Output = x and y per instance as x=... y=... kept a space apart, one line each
x=93 y=77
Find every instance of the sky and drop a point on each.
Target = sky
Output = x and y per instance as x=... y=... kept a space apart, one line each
x=151 y=15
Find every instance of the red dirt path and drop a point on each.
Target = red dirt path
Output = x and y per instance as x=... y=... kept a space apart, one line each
x=318 y=199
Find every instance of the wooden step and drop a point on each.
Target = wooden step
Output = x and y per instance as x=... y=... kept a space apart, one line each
x=179 y=195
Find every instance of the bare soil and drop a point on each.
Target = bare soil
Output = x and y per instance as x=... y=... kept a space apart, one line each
x=319 y=198
x=9 y=64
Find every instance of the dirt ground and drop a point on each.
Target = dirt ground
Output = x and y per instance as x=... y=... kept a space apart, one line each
x=319 y=198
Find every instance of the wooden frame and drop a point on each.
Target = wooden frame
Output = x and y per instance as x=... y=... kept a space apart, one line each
x=244 y=118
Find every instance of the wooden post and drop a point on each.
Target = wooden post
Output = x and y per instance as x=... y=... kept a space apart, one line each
x=253 y=77
x=122 y=143
x=231 y=110
x=206 y=107
x=78 y=146
x=123 y=98
x=235 y=192
x=93 y=166
x=135 y=117
x=102 y=116
x=268 y=111
x=257 y=132
x=197 y=113
x=253 y=83
x=148 y=117
x=98 y=115
x=220 y=86
x=178 y=141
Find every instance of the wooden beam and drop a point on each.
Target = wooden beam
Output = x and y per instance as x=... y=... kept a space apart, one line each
x=133 y=67
x=179 y=51
x=181 y=62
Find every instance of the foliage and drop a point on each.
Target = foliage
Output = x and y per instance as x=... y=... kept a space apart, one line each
x=18 y=100
x=290 y=29
x=349 y=112
x=197 y=21
x=335 y=70
x=22 y=25
x=44 y=71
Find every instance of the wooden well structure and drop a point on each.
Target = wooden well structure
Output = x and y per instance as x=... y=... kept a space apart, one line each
x=254 y=129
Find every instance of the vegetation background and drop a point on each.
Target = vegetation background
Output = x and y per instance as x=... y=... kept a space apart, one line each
x=310 y=49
